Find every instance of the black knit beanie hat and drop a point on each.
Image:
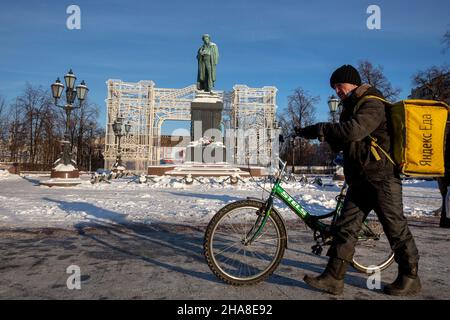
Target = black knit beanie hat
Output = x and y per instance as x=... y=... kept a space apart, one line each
x=345 y=74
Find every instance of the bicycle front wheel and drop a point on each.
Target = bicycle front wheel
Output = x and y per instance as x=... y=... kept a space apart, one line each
x=372 y=251
x=227 y=252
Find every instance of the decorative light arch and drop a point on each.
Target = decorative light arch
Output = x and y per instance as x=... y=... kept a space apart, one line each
x=147 y=107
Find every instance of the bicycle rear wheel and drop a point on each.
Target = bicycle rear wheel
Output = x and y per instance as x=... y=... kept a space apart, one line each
x=372 y=251
x=226 y=251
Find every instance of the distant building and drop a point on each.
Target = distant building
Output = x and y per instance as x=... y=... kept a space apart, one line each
x=174 y=141
x=173 y=148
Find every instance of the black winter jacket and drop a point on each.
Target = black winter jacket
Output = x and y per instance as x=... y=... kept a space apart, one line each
x=350 y=135
x=447 y=151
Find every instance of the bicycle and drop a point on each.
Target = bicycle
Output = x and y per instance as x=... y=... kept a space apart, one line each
x=245 y=241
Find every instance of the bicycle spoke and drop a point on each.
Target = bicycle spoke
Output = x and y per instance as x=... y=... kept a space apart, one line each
x=238 y=259
x=267 y=240
x=233 y=245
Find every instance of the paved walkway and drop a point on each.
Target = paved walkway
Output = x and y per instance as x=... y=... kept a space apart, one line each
x=166 y=262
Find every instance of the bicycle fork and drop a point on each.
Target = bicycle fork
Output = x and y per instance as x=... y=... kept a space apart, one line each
x=261 y=221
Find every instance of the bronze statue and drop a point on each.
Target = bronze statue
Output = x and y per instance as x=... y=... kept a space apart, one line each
x=207 y=57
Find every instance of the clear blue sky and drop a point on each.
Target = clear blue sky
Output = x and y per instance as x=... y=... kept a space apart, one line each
x=280 y=43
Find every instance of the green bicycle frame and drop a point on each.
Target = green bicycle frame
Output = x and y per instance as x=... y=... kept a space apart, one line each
x=311 y=221
x=277 y=191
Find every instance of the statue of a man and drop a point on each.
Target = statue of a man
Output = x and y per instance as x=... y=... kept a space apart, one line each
x=207 y=57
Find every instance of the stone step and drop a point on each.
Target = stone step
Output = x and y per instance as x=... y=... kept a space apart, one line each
x=205 y=170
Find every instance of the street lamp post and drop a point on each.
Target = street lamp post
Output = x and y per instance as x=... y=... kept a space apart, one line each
x=91 y=129
x=293 y=154
x=65 y=166
x=120 y=129
x=333 y=104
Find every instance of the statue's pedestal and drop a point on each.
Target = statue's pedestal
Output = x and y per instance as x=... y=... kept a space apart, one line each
x=63 y=176
x=72 y=174
x=207 y=170
x=206 y=119
x=206 y=116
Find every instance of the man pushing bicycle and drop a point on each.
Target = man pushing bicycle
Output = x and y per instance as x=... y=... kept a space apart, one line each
x=374 y=184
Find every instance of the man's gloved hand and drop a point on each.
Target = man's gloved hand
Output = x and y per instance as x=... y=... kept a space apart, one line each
x=309 y=132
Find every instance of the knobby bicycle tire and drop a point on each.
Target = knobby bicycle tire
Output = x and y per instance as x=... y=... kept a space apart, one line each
x=223 y=264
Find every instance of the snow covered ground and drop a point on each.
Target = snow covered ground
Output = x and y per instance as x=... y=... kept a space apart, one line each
x=25 y=204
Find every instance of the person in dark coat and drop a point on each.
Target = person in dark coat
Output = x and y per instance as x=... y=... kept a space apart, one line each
x=444 y=188
x=444 y=182
x=373 y=185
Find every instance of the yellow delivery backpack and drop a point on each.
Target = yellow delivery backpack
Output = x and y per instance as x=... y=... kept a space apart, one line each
x=417 y=129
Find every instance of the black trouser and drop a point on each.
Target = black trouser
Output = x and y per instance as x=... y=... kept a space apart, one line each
x=444 y=184
x=385 y=198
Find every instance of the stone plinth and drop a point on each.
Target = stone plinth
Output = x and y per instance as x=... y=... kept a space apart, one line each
x=255 y=171
x=159 y=170
x=207 y=170
x=61 y=182
x=63 y=176
x=206 y=116
x=206 y=120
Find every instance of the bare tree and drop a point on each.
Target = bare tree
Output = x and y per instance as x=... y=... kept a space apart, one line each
x=2 y=106
x=375 y=77
x=16 y=133
x=33 y=128
x=2 y=119
x=52 y=131
x=35 y=103
x=82 y=131
x=446 y=40
x=301 y=108
x=3 y=129
x=433 y=83
x=300 y=113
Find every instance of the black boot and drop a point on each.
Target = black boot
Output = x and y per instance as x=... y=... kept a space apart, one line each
x=332 y=279
x=444 y=222
x=407 y=282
